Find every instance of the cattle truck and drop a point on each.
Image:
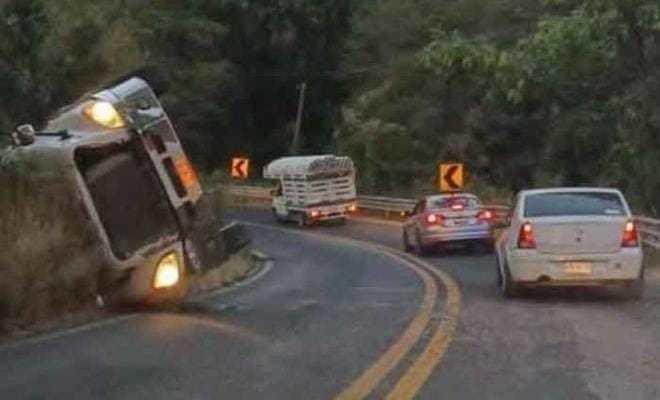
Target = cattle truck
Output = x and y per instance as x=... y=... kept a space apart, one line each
x=312 y=189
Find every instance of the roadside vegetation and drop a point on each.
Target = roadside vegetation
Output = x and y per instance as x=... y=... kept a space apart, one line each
x=526 y=93
x=49 y=262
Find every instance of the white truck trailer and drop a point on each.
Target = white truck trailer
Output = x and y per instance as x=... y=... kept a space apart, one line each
x=312 y=189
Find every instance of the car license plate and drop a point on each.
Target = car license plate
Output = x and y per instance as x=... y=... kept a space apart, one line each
x=578 y=268
x=455 y=222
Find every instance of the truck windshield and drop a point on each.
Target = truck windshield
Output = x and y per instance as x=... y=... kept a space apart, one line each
x=128 y=197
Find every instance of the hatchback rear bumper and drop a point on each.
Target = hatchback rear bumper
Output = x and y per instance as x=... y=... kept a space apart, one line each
x=532 y=268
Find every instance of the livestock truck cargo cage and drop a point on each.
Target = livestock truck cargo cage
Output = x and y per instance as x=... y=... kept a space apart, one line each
x=312 y=189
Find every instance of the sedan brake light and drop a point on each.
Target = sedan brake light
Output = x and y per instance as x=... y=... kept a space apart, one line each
x=526 y=237
x=432 y=219
x=485 y=215
x=630 y=235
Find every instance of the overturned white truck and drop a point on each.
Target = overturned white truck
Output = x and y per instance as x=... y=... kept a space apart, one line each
x=105 y=191
x=313 y=188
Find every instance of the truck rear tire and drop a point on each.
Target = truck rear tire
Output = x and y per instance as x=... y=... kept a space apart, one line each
x=278 y=218
x=302 y=221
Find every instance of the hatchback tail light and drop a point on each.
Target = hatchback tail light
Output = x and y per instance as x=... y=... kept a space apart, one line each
x=526 y=237
x=629 y=235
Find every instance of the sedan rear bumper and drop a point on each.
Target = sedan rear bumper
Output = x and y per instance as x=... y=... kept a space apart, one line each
x=444 y=234
x=532 y=268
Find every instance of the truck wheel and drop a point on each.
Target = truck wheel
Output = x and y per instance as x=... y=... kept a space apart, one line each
x=301 y=219
x=278 y=218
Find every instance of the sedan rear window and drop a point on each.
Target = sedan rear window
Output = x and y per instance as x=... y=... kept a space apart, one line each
x=575 y=204
x=453 y=202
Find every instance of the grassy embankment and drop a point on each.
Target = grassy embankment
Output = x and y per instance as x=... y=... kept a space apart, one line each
x=48 y=260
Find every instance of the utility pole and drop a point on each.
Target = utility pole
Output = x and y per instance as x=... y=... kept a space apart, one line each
x=295 y=145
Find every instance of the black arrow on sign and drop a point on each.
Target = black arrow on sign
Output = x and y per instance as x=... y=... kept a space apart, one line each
x=238 y=168
x=449 y=178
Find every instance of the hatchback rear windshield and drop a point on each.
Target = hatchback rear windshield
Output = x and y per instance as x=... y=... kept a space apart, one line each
x=558 y=204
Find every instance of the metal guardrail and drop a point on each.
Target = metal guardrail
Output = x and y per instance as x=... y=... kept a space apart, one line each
x=250 y=192
x=390 y=206
x=649 y=228
x=386 y=204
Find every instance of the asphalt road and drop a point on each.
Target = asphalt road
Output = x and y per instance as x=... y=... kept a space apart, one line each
x=552 y=344
x=305 y=330
x=327 y=311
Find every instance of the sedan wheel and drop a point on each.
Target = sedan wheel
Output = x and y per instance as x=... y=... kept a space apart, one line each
x=505 y=286
x=420 y=249
x=636 y=289
x=406 y=243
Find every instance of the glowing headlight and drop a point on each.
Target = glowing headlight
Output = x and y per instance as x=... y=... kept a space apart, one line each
x=167 y=272
x=105 y=114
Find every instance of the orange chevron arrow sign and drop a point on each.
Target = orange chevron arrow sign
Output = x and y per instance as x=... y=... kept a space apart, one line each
x=240 y=168
x=450 y=177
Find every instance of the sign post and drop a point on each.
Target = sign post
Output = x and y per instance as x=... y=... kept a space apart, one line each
x=450 y=177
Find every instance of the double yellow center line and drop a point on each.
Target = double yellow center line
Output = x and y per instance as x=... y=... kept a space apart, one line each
x=418 y=373
x=411 y=382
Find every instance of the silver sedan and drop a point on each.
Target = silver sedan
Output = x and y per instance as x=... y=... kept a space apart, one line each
x=448 y=218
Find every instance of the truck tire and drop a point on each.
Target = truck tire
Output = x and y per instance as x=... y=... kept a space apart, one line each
x=301 y=219
x=279 y=218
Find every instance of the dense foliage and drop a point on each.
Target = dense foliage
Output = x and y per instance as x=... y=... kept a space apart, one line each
x=234 y=66
x=563 y=94
x=526 y=93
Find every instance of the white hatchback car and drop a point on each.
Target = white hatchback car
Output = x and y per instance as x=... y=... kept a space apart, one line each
x=570 y=237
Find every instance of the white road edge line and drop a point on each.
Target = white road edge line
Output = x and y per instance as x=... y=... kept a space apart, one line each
x=36 y=340
x=269 y=264
x=47 y=337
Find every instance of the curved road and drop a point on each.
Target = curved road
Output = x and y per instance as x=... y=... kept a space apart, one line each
x=305 y=330
x=552 y=344
x=329 y=312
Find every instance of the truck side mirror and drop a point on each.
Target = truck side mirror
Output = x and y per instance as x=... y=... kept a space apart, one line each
x=24 y=135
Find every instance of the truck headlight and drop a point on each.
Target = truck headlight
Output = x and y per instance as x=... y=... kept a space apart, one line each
x=104 y=114
x=167 y=272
